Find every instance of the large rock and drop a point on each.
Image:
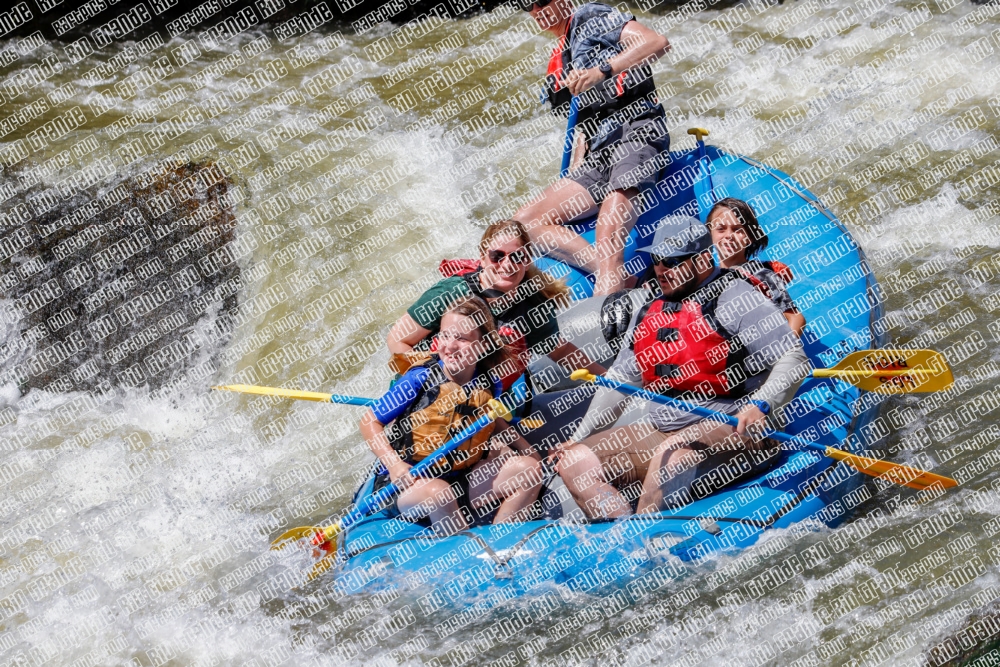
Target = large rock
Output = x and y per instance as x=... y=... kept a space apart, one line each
x=132 y=285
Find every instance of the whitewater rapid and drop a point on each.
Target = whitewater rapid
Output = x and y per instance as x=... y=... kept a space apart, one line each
x=136 y=527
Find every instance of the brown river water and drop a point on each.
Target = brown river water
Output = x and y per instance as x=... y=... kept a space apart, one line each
x=378 y=154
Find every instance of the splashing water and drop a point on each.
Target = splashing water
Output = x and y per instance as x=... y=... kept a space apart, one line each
x=136 y=522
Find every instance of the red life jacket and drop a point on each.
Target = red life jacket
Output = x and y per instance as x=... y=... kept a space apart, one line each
x=458 y=267
x=681 y=347
x=761 y=286
x=783 y=270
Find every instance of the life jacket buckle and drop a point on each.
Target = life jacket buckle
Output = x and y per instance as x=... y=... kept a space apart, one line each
x=668 y=334
x=668 y=371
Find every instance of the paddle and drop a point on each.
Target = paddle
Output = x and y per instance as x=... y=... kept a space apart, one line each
x=320 y=397
x=574 y=111
x=297 y=395
x=894 y=472
x=703 y=162
x=893 y=371
x=325 y=537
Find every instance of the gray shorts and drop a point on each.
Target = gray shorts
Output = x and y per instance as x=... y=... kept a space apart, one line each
x=634 y=161
x=667 y=419
x=709 y=472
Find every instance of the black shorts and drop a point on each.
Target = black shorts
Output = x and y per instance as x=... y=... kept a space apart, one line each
x=634 y=161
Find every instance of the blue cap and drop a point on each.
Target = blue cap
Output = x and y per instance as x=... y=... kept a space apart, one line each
x=678 y=236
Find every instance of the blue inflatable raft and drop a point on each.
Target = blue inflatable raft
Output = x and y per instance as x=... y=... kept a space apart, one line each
x=835 y=289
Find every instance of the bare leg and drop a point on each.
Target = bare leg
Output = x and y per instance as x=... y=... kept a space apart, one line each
x=436 y=498
x=581 y=471
x=518 y=485
x=671 y=473
x=504 y=476
x=561 y=202
x=614 y=222
x=620 y=454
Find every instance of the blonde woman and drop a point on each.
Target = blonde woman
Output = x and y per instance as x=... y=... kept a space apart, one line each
x=523 y=299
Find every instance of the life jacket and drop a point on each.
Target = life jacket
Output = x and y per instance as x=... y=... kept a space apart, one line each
x=439 y=411
x=458 y=267
x=681 y=347
x=514 y=340
x=603 y=99
x=783 y=270
x=780 y=269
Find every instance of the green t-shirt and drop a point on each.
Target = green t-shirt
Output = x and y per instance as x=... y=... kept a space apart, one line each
x=533 y=315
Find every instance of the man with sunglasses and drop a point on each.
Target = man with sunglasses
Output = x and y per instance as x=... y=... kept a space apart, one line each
x=603 y=57
x=710 y=338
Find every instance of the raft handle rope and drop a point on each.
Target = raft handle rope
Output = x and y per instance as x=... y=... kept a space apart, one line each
x=817 y=204
x=501 y=568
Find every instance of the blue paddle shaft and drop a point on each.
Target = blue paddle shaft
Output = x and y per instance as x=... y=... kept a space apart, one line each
x=704 y=164
x=574 y=110
x=374 y=502
x=350 y=400
x=700 y=411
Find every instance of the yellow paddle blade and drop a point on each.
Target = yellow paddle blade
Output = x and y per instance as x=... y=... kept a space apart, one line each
x=322 y=541
x=276 y=391
x=913 y=381
x=498 y=410
x=893 y=371
x=318 y=535
x=892 y=472
x=890 y=359
x=294 y=535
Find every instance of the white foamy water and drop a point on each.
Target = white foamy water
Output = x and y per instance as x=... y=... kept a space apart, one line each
x=136 y=530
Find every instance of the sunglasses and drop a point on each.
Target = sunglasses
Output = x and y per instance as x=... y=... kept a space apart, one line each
x=526 y=5
x=516 y=257
x=670 y=262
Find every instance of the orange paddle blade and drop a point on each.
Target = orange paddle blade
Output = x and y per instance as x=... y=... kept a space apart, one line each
x=892 y=472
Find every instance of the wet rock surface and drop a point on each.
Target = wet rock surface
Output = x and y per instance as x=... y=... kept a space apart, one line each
x=132 y=285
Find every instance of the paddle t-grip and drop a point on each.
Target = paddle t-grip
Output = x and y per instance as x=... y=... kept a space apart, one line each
x=699 y=133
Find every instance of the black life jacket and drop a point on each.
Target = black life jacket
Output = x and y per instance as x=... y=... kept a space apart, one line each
x=605 y=98
x=518 y=312
x=780 y=269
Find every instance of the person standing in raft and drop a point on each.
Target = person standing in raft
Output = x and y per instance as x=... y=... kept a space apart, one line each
x=523 y=299
x=434 y=401
x=711 y=339
x=738 y=237
x=604 y=57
